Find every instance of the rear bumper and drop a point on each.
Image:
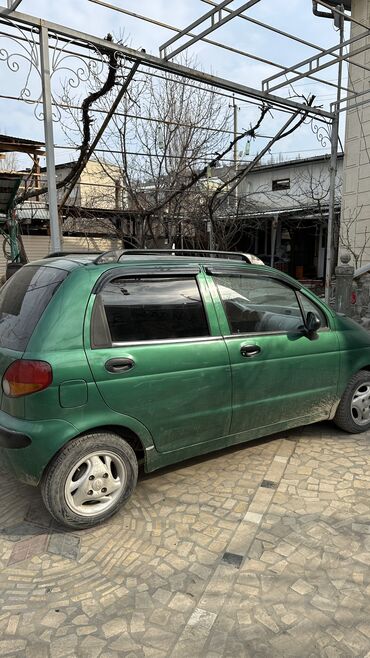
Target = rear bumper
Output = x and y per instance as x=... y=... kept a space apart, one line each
x=28 y=446
x=13 y=440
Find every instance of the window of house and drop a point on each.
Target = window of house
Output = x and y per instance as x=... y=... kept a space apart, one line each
x=258 y=305
x=281 y=184
x=142 y=308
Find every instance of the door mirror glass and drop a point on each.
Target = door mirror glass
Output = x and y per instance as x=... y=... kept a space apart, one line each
x=308 y=305
x=313 y=323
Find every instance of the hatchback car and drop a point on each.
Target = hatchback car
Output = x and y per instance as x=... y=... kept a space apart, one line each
x=151 y=357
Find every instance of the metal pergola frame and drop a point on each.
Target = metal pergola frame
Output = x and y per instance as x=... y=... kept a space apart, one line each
x=160 y=64
x=44 y=29
x=215 y=24
x=220 y=14
x=310 y=61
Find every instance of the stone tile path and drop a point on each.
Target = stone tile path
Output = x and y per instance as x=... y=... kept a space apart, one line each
x=261 y=551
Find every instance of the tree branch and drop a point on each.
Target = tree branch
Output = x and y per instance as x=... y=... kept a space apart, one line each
x=86 y=123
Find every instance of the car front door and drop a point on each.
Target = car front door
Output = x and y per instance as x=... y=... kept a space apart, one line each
x=156 y=354
x=278 y=373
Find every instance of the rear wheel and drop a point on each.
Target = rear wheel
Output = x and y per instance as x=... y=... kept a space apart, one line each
x=353 y=413
x=89 y=479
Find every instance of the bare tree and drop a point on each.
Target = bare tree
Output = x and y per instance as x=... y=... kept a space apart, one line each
x=160 y=142
x=348 y=237
x=163 y=134
x=9 y=162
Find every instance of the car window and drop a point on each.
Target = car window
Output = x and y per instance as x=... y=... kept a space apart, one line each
x=258 y=304
x=143 y=308
x=23 y=300
x=308 y=305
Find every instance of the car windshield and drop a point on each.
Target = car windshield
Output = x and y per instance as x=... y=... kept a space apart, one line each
x=23 y=300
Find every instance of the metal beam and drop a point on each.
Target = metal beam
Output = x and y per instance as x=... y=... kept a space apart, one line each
x=353 y=96
x=211 y=42
x=12 y=6
x=276 y=30
x=316 y=58
x=341 y=58
x=182 y=33
x=158 y=63
x=354 y=106
x=55 y=232
x=268 y=27
x=334 y=140
x=214 y=26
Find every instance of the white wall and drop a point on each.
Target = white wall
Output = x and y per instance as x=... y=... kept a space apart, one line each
x=38 y=246
x=355 y=219
x=308 y=182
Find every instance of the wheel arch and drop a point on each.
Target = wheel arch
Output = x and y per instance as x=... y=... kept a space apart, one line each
x=135 y=441
x=343 y=417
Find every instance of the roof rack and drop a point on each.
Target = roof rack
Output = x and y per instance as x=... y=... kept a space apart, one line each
x=116 y=255
x=75 y=252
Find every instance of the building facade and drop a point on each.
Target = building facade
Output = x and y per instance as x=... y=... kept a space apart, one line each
x=355 y=218
x=284 y=212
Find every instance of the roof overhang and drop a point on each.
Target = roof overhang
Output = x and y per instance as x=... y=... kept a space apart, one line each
x=10 y=144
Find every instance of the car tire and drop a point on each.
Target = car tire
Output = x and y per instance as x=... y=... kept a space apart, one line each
x=89 y=479
x=355 y=405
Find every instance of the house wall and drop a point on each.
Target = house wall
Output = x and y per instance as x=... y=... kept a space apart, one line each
x=98 y=186
x=38 y=246
x=355 y=218
x=308 y=181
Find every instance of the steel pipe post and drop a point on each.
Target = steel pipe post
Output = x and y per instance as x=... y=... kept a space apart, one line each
x=55 y=231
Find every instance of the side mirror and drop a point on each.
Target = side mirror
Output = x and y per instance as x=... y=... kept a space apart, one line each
x=313 y=323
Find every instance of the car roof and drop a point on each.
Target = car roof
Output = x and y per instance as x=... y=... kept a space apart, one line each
x=150 y=258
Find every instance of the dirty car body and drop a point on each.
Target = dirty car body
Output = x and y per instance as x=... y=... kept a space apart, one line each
x=107 y=362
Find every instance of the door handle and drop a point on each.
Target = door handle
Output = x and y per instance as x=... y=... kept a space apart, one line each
x=250 y=350
x=119 y=365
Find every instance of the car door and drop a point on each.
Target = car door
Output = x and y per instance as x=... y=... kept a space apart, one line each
x=156 y=354
x=278 y=373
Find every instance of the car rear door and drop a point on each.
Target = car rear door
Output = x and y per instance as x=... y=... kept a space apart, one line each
x=156 y=354
x=278 y=373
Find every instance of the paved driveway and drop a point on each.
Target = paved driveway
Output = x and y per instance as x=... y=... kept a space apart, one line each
x=258 y=551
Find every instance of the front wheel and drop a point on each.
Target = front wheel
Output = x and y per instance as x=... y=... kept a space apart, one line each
x=89 y=479
x=353 y=413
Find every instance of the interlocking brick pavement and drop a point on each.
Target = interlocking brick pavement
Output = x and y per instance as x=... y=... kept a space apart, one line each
x=258 y=551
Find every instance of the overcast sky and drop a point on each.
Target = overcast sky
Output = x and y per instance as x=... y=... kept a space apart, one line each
x=293 y=16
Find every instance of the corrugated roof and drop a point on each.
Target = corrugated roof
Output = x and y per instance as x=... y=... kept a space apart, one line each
x=8 y=139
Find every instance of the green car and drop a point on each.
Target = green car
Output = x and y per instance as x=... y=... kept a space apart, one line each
x=113 y=360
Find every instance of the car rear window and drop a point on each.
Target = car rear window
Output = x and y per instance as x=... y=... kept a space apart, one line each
x=23 y=300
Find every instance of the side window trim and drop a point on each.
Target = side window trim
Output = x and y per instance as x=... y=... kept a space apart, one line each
x=156 y=272
x=165 y=341
x=218 y=271
x=100 y=333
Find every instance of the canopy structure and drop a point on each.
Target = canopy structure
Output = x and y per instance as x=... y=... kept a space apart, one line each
x=10 y=144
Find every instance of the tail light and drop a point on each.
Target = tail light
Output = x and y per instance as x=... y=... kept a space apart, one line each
x=24 y=377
